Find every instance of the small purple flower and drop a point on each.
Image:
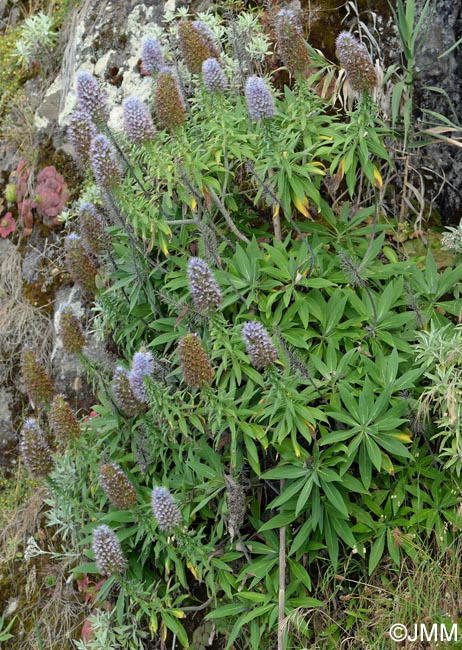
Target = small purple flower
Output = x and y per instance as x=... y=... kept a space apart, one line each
x=204 y=289
x=259 y=345
x=151 y=56
x=258 y=98
x=138 y=121
x=81 y=132
x=165 y=509
x=354 y=57
x=90 y=96
x=108 y=552
x=142 y=367
x=34 y=449
x=214 y=78
x=106 y=168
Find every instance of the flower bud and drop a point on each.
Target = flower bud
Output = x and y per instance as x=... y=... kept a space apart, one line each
x=291 y=44
x=94 y=237
x=138 y=122
x=142 y=367
x=79 y=264
x=152 y=57
x=196 y=44
x=124 y=394
x=165 y=509
x=106 y=168
x=35 y=450
x=258 y=99
x=195 y=366
x=81 y=132
x=70 y=330
x=205 y=292
x=355 y=59
x=259 y=345
x=36 y=380
x=63 y=422
x=168 y=100
x=214 y=78
x=108 y=552
x=91 y=98
x=117 y=487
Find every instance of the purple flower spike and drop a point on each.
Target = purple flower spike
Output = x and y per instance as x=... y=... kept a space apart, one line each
x=91 y=97
x=108 y=552
x=142 y=366
x=81 y=132
x=138 y=122
x=151 y=56
x=258 y=98
x=204 y=289
x=214 y=79
x=354 y=57
x=259 y=345
x=165 y=509
x=106 y=168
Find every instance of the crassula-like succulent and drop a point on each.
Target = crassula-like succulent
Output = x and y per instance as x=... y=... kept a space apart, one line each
x=51 y=195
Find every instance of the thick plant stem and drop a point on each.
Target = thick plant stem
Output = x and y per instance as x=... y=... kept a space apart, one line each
x=282 y=581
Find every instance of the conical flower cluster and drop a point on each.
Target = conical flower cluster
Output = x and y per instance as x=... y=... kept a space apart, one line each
x=196 y=44
x=63 y=422
x=117 y=487
x=35 y=450
x=36 y=380
x=291 y=44
x=106 y=168
x=213 y=76
x=204 y=289
x=90 y=96
x=165 y=509
x=138 y=122
x=195 y=366
x=142 y=367
x=151 y=56
x=79 y=264
x=108 y=552
x=259 y=345
x=91 y=225
x=81 y=132
x=124 y=394
x=70 y=329
x=355 y=59
x=236 y=504
x=169 y=104
x=258 y=99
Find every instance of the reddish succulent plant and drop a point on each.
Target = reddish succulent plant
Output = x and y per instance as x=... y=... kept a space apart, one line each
x=7 y=225
x=51 y=195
